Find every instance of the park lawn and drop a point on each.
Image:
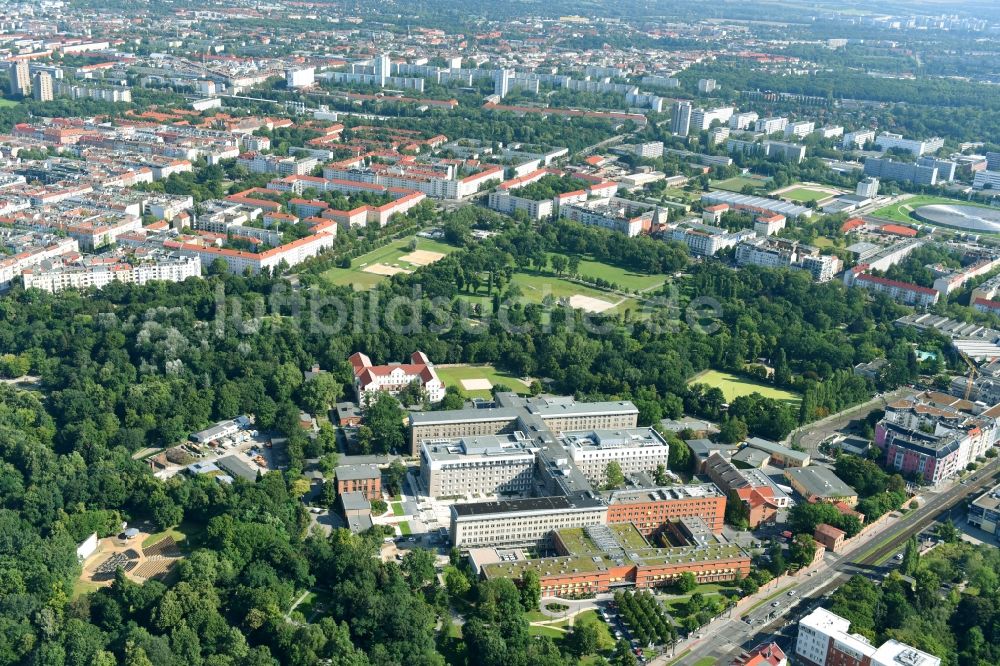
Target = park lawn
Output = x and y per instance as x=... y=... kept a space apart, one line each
x=453 y=376
x=82 y=587
x=734 y=386
x=536 y=616
x=314 y=603
x=821 y=242
x=900 y=212
x=404 y=529
x=605 y=641
x=538 y=630
x=806 y=194
x=7 y=102
x=737 y=183
x=684 y=195
x=622 y=277
x=397 y=509
x=389 y=255
x=187 y=535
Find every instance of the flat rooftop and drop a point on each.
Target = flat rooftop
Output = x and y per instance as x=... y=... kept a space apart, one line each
x=777 y=449
x=665 y=493
x=357 y=472
x=820 y=481
x=613 y=439
x=480 y=446
x=990 y=500
x=554 y=503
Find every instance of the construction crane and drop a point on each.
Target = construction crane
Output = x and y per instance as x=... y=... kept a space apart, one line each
x=970 y=378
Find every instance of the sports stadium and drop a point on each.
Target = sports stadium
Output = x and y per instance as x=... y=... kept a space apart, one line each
x=968 y=218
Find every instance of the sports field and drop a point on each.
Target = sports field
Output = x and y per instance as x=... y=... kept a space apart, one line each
x=7 y=102
x=806 y=194
x=369 y=269
x=900 y=212
x=737 y=183
x=475 y=381
x=536 y=286
x=733 y=386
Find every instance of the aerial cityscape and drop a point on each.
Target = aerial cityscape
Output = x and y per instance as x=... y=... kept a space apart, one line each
x=458 y=333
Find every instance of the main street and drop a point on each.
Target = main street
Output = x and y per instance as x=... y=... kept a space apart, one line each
x=727 y=637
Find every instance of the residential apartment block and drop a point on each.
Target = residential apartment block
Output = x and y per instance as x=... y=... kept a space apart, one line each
x=54 y=275
x=888 y=140
x=625 y=216
x=706 y=240
x=935 y=435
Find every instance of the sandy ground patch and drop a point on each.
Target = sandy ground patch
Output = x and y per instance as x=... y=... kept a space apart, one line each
x=421 y=257
x=589 y=303
x=481 y=384
x=383 y=269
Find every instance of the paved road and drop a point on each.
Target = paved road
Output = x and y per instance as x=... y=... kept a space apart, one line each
x=811 y=435
x=728 y=637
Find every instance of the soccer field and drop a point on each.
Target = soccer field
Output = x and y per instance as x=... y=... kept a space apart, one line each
x=369 y=269
x=734 y=386
x=470 y=375
x=806 y=194
x=737 y=183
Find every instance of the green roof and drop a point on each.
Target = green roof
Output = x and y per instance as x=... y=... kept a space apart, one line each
x=586 y=556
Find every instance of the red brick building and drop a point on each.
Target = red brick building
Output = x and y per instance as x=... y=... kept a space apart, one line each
x=829 y=537
x=651 y=509
x=365 y=479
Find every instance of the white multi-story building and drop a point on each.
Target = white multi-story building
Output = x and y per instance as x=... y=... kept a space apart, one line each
x=824 y=639
x=478 y=465
x=702 y=119
x=42 y=88
x=823 y=267
x=680 y=121
x=300 y=78
x=799 y=129
x=528 y=521
x=508 y=203
x=986 y=180
x=867 y=188
x=706 y=240
x=100 y=272
x=370 y=379
x=742 y=120
x=858 y=139
x=771 y=125
x=28 y=249
x=762 y=252
x=706 y=85
x=622 y=215
x=20 y=78
x=636 y=450
x=887 y=140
